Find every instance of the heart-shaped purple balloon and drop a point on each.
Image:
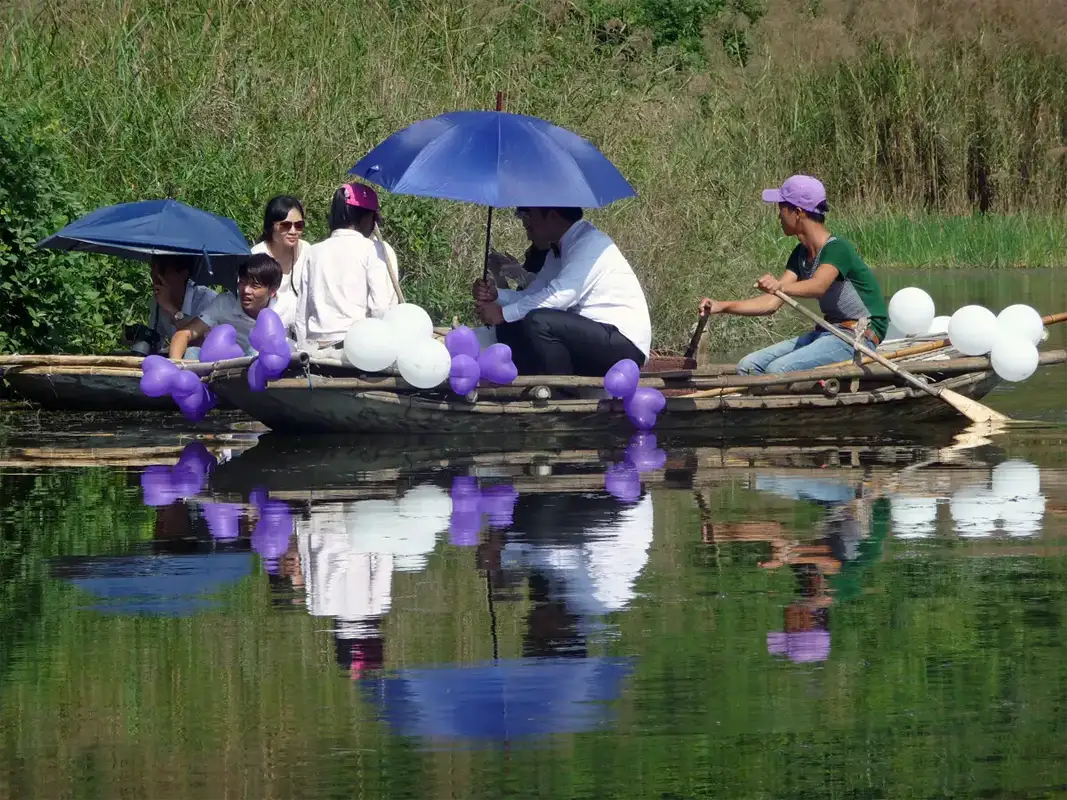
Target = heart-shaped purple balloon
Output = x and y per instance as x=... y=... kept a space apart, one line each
x=643 y=453
x=498 y=505
x=195 y=407
x=197 y=457
x=464 y=375
x=462 y=341
x=223 y=520
x=273 y=365
x=464 y=527
x=257 y=381
x=623 y=482
x=622 y=379
x=496 y=365
x=158 y=374
x=184 y=384
x=270 y=538
x=157 y=486
x=268 y=328
x=643 y=406
x=221 y=344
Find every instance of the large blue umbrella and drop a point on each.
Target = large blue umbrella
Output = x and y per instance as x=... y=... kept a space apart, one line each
x=501 y=701
x=495 y=159
x=147 y=228
x=164 y=585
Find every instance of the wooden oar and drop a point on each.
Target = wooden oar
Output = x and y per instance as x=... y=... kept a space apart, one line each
x=695 y=341
x=972 y=409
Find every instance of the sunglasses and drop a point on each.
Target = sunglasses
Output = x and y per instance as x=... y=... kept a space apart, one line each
x=286 y=225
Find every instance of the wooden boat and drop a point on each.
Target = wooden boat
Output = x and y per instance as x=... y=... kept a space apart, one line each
x=320 y=396
x=84 y=383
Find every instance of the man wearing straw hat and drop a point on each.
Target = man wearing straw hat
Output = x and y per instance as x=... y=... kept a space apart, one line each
x=821 y=266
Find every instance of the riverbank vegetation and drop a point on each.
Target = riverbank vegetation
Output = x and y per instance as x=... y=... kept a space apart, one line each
x=939 y=127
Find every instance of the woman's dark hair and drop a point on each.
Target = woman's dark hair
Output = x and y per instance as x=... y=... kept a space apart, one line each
x=261 y=269
x=342 y=215
x=278 y=208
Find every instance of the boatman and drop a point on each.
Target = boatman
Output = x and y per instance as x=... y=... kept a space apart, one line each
x=584 y=311
x=258 y=280
x=821 y=266
x=177 y=300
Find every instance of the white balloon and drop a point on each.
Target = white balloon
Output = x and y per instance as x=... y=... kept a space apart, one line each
x=975 y=511
x=1022 y=516
x=1016 y=478
x=1022 y=320
x=973 y=330
x=425 y=364
x=370 y=345
x=410 y=324
x=911 y=310
x=939 y=325
x=1013 y=357
x=913 y=517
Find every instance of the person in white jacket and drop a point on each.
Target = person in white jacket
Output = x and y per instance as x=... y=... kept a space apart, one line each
x=349 y=276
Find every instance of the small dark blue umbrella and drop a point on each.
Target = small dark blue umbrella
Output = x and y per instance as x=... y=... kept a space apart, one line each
x=502 y=701
x=163 y=585
x=495 y=159
x=147 y=228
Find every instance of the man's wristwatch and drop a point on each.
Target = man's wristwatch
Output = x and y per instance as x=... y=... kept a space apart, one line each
x=178 y=316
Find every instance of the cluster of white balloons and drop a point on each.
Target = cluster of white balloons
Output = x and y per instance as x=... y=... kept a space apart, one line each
x=404 y=337
x=1010 y=338
x=1013 y=504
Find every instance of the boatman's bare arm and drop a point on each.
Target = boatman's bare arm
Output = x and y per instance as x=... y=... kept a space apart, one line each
x=752 y=307
x=815 y=286
x=179 y=343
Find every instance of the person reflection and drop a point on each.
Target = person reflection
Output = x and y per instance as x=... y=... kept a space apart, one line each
x=582 y=554
x=343 y=557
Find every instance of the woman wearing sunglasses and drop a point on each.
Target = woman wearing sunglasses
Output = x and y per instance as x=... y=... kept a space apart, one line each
x=282 y=240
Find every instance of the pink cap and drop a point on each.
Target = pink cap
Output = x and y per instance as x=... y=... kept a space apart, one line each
x=361 y=196
x=802 y=191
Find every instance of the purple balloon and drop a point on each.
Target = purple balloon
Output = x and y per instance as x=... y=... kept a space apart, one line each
x=498 y=505
x=644 y=454
x=622 y=481
x=157 y=377
x=622 y=379
x=184 y=383
x=273 y=365
x=195 y=407
x=462 y=341
x=197 y=457
x=464 y=528
x=643 y=406
x=800 y=647
x=221 y=344
x=223 y=520
x=464 y=375
x=270 y=538
x=269 y=327
x=276 y=347
x=496 y=365
x=257 y=381
x=157 y=486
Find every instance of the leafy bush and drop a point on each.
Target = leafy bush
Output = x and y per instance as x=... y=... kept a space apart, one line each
x=51 y=300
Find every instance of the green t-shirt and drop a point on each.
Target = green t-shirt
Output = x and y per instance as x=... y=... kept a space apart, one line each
x=854 y=293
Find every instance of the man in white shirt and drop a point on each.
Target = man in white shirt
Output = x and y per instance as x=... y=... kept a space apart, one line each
x=177 y=300
x=583 y=312
x=350 y=275
x=258 y=280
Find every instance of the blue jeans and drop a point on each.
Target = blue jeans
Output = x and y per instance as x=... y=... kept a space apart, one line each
x=812 y=349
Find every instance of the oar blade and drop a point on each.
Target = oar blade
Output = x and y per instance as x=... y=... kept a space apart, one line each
x=972 y=409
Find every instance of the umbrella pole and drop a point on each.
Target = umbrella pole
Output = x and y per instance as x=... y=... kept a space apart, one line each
x=489 y=219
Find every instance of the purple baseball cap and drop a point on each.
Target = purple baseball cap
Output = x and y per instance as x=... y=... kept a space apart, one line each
x=802 y=191
x=362 y=196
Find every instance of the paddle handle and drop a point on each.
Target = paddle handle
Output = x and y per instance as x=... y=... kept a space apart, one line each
x=860 y=346
x=695 y=341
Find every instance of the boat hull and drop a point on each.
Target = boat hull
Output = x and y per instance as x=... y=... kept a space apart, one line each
x=320 y=408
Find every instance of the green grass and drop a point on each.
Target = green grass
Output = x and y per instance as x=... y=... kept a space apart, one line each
x=933 y=111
